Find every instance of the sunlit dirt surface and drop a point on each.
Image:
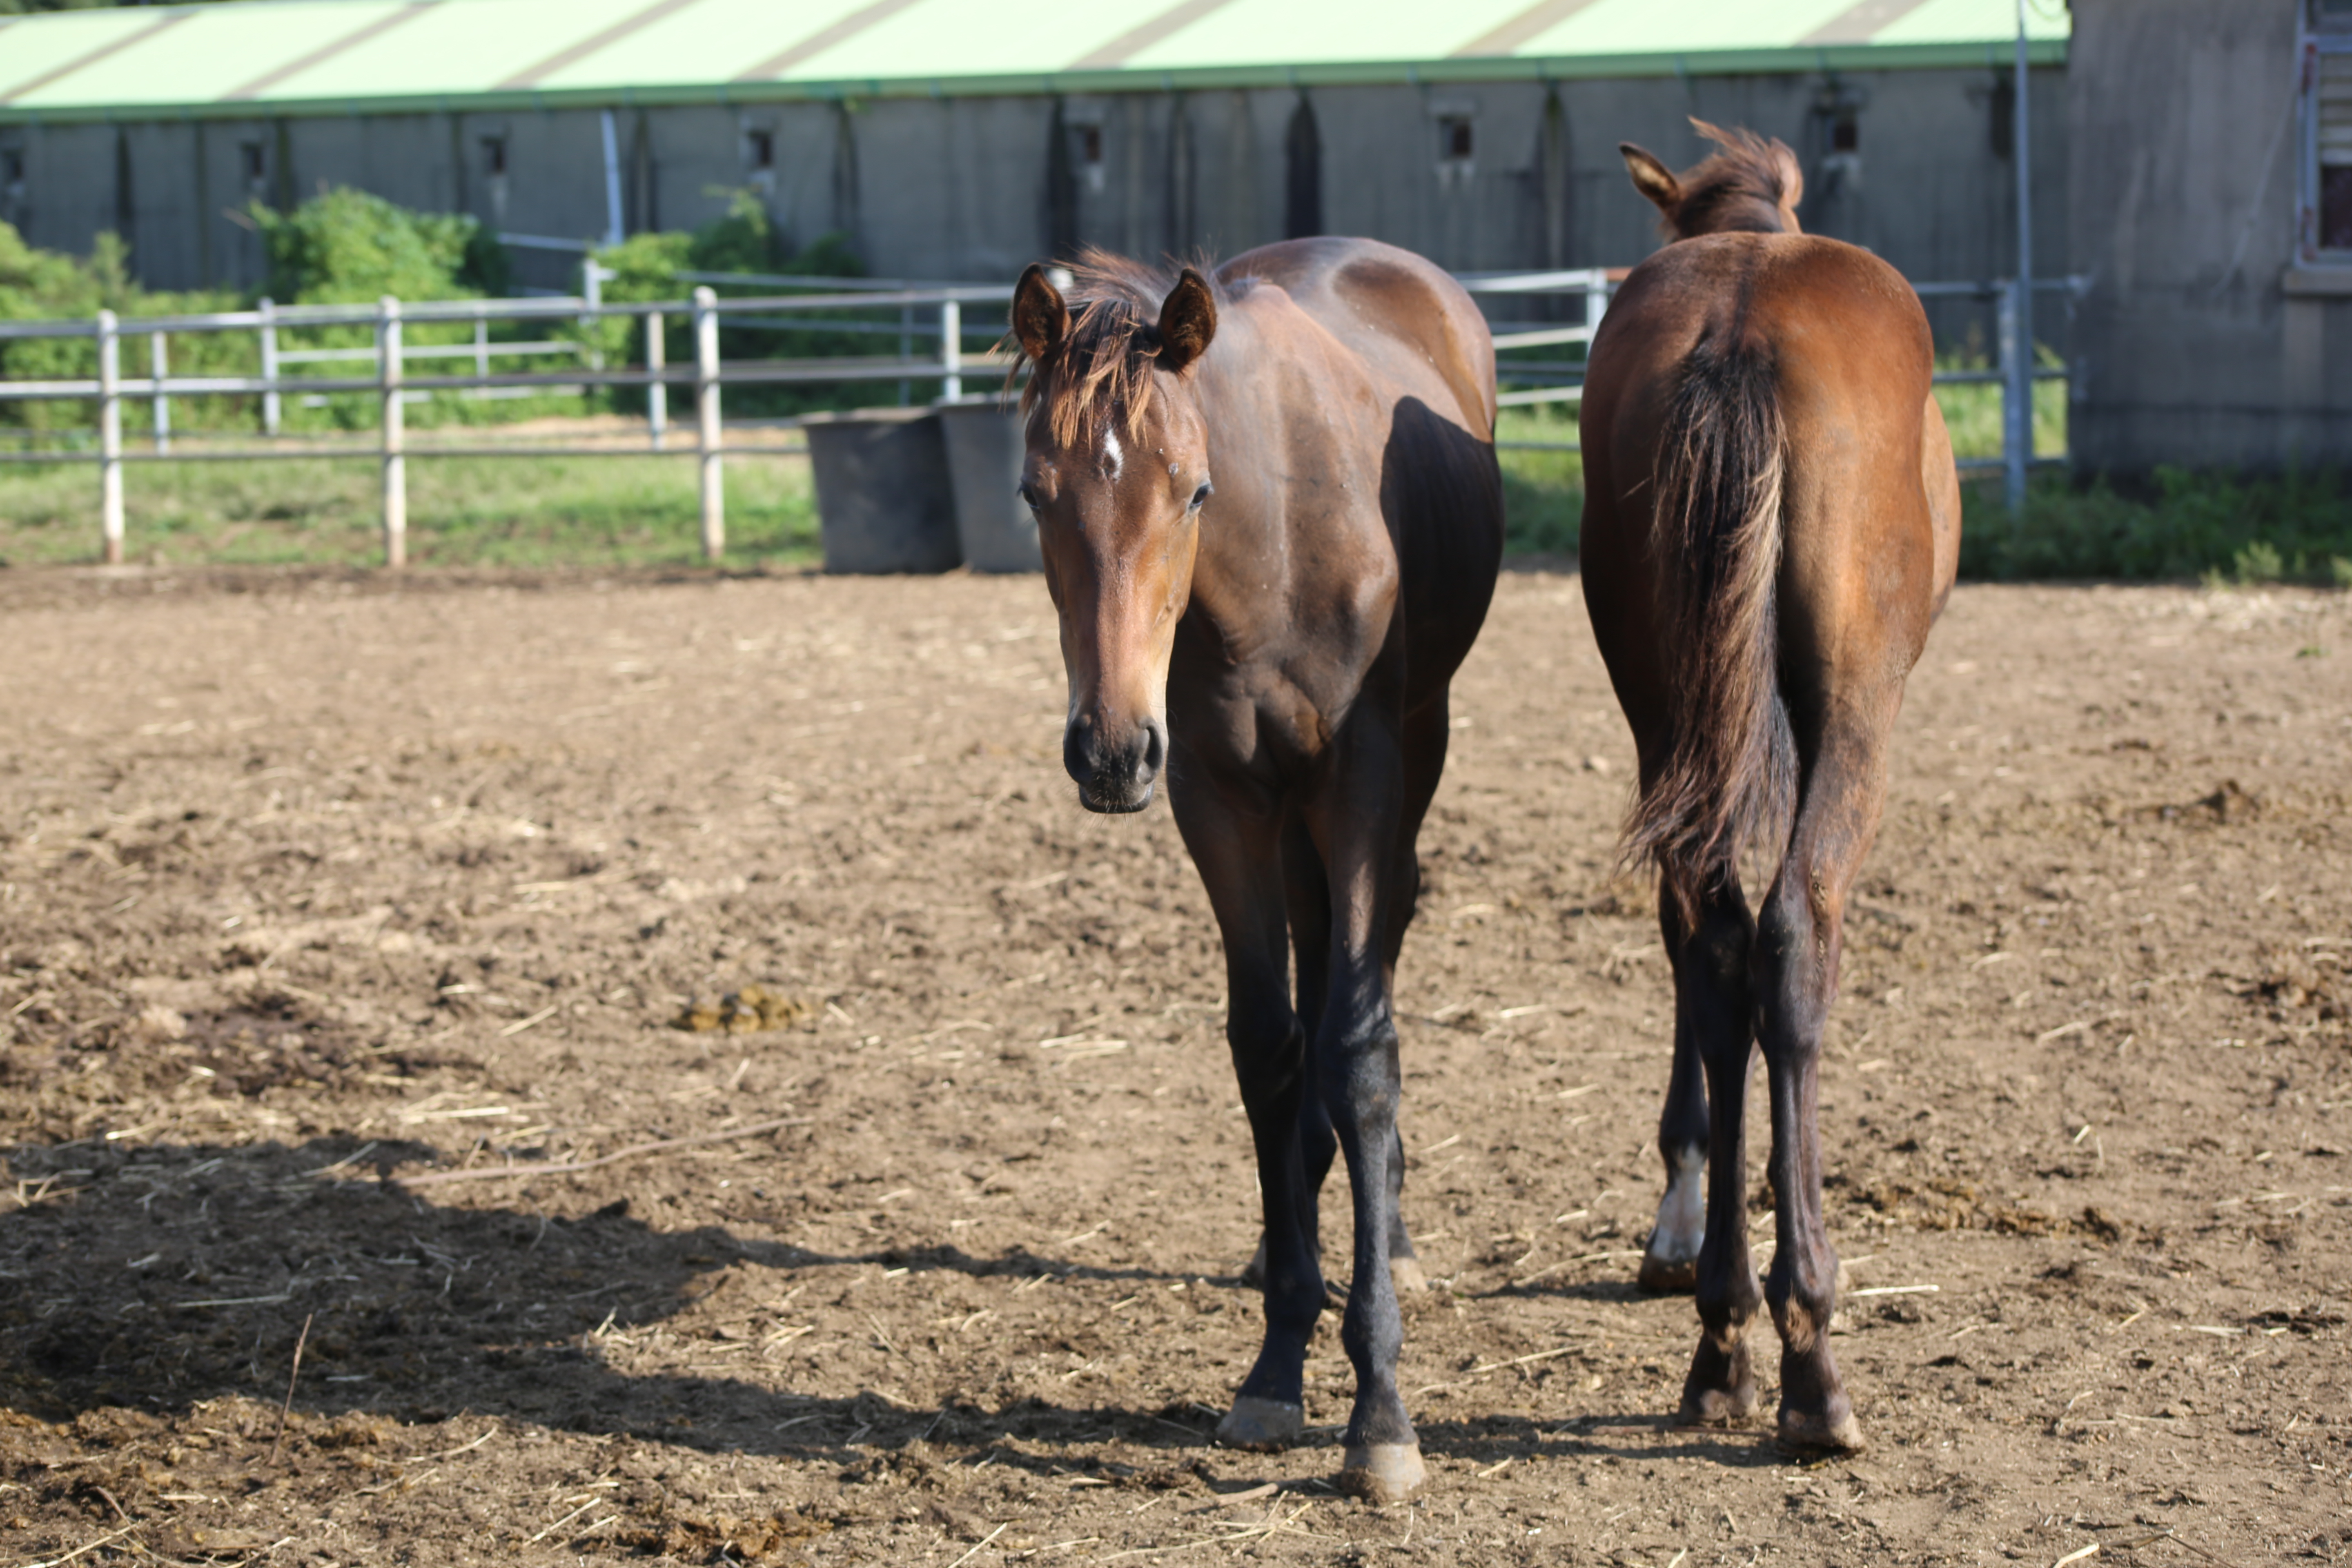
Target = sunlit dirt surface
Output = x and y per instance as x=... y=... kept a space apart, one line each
x=313 y=884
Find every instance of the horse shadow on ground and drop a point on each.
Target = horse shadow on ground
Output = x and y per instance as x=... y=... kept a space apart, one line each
x=155 y=1281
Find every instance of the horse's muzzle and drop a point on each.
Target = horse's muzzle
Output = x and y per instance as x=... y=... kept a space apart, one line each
x=1115 y=770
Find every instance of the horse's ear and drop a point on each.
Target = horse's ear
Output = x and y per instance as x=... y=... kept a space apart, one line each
x=1040 y=318
x=1188 y=319
x=1652 y=178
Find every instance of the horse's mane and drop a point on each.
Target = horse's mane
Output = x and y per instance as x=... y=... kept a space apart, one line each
x=1739 y=188
x=1102 y=372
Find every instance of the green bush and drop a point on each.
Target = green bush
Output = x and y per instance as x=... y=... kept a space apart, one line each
x=43 y=285
x=645 y=267
x=2294 y=528
x=344 y=247
x=742 y=241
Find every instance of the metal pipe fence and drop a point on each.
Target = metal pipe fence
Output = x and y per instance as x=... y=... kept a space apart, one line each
x=388 y=377
x=929 y=313
x=2013 y=369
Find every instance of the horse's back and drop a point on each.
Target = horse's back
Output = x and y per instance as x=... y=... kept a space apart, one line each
x=1850 y=358
x=1409 y=323
x=1848 y=342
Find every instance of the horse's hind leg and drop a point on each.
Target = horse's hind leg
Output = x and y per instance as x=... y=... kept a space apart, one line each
x=1712 y=1017
x=1798 y=932
x=1427 y=730
x=1670 y=1257
x=1354 y=816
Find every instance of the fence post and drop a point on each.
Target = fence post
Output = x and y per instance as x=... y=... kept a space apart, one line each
x=395 y=432
x=2016 y=436
x=657 y=390
x=2016 y=394
x=110 y=438
x=592 y=319
x=158 y=362
x=905 y=349
x=706 y=408
x=951 y=350
x=270 y=405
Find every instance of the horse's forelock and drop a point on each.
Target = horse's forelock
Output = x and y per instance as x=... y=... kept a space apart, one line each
x=1101 y=373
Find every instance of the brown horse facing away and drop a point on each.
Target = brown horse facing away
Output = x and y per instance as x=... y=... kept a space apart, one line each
x=1771 y=522
x=1279 y=643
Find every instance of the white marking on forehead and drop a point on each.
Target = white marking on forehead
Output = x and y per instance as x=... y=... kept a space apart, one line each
x=1113 y=458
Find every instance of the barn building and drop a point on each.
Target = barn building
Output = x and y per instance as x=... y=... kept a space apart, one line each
x=959 y=139
x=2212 y=214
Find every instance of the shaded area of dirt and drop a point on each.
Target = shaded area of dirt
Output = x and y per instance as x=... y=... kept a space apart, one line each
x=310 y=884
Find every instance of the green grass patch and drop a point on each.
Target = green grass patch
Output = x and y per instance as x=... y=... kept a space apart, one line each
x=1972 y=408
x=543 y=512
x=1543 y=492
x=491 y=512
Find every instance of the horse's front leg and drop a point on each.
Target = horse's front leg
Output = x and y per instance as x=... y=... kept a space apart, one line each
x=1307 y=892
x=1354 y=820
x=1234 y=840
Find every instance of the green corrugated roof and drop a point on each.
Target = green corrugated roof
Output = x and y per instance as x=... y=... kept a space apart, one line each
x=336 y=56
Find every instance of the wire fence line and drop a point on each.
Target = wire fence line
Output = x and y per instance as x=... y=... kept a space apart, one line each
x=931 y=314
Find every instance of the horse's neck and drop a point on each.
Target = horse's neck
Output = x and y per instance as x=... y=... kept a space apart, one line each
x=1273 y=478
x=1248 y=428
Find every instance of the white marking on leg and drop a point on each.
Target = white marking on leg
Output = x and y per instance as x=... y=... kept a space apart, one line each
x=1682 y=1212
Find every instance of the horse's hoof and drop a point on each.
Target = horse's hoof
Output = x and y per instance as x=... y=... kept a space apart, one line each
x=1667 y=1276
x=1405 y=1274
x=1381 y=1472
x=1718 y=1406
x=1808 y=1429
x=1255 y=1422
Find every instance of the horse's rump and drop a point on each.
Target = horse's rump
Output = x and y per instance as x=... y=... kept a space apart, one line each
x=1728 y=778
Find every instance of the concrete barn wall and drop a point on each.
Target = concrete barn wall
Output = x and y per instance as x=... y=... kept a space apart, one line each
x=974 y=188
x=2200 y=342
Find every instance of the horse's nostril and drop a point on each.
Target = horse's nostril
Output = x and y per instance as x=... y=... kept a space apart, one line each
x=1155 y=748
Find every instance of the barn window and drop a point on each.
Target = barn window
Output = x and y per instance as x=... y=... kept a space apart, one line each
x=2326 y=217
x=1302 y=147
x=494 y=156
x=1846 y=133
x=1457 y=139
x=1086 y=144
x=760 y=149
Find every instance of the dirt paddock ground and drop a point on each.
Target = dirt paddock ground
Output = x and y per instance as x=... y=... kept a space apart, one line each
x=309 y=885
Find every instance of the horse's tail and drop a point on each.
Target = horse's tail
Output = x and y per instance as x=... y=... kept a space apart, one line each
x=1729 y=778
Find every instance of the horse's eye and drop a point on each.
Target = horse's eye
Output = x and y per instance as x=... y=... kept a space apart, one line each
x=1028 y=497
x=1203 y=493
